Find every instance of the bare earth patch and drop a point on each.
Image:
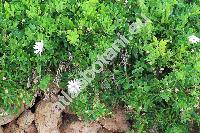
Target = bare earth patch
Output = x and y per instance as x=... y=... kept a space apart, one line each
x=46 y=118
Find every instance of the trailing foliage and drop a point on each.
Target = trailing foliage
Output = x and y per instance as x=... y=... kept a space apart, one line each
x=160 y=81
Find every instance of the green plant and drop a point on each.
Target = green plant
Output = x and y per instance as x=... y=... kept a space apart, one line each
x=160 y=80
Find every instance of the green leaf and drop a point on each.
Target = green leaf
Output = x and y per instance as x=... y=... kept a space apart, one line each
x=44 y=82
x=73 y=36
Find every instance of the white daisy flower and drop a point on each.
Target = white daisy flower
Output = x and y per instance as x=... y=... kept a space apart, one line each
x=38 y=47
x=74 y=86
x=193 y=39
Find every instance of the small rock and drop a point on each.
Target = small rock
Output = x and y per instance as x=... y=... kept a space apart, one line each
x=47 y=117
x=117 y=123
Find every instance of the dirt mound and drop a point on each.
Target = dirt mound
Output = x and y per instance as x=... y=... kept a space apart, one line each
x=118 y=123
x=44 y=117
x=47 y=117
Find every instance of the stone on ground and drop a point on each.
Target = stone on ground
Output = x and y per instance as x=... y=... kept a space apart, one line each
x=47 y=117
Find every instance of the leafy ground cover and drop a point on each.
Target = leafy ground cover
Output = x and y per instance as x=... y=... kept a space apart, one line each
x=157 y=75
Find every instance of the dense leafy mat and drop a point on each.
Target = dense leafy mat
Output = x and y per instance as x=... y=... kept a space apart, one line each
x=157 y=75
